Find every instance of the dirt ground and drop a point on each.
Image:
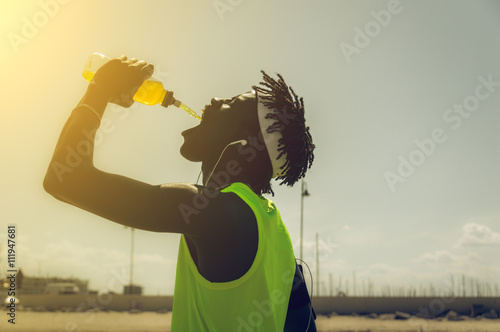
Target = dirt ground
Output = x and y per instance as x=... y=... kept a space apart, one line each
x=29 y=321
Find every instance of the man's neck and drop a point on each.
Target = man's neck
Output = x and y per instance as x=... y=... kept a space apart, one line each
x=223 y=175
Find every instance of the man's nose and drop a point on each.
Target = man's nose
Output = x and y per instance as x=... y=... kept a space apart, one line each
x=216 y=101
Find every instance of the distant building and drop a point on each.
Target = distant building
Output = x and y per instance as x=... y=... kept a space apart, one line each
x=39 y=285
x=61 y=288
x=132 y=290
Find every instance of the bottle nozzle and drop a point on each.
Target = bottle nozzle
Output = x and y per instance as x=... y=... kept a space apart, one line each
x=168 y=99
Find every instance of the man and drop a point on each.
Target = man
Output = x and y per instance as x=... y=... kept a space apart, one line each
x=236 y=268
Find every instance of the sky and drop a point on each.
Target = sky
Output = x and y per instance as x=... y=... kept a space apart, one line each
x=402 y=100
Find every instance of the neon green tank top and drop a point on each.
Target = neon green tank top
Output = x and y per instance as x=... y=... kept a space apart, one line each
x=257 y=301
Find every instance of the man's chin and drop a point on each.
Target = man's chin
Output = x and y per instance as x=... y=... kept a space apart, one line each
x=188 y=154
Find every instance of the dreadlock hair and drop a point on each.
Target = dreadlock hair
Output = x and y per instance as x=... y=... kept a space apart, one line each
x=288 y=113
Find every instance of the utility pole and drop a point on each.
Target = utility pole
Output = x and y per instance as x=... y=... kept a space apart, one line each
x=132 y=263
x=463 y=285
x=353 y=283
x=303 y=193
x=331 y=285
x=317 y=265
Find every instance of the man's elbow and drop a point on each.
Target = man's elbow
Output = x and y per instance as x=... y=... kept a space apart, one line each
x=51 y=185
x=59 y=184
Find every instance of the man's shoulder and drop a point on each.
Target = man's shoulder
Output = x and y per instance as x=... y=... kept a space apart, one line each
x=202 y=201
x=227 y=203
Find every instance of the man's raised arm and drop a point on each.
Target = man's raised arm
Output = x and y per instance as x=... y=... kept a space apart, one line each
x=71 y=176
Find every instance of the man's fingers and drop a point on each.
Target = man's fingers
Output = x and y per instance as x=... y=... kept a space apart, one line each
x=148 y=70
x=139 y=64
x=124 y=76
x=145 y=68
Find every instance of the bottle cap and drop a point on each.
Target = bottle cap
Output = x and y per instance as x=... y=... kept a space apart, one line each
x=169 y=99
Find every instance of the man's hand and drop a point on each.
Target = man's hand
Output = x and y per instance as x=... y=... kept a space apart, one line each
x=119 y=79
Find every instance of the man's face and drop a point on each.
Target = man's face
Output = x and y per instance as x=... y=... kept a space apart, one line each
x=224 y=121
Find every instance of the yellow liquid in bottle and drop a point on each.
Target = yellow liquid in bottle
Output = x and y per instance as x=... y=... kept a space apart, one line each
x=88 y=75
x=150 y=93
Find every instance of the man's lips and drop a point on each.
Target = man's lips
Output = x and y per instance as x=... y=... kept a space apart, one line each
x=207 y=106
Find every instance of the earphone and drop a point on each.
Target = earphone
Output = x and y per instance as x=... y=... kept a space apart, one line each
x=311 y=316
x=241 y=141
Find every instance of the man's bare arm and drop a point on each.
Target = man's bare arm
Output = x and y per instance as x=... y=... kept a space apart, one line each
x=72 y=177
